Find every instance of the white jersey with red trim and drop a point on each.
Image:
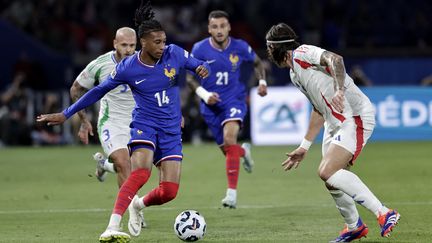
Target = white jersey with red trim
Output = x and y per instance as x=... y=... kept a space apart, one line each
x=315 y=81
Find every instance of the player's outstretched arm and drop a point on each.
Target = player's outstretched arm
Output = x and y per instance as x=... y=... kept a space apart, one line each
x=88 y=99
x=52 y=119
x=86 y=128
x=295 y=157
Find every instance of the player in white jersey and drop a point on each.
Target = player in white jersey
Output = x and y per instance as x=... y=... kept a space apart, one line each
x=348 y=118
x=115 y=113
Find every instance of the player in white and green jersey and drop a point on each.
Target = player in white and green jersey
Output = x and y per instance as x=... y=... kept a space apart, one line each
x=116 y=107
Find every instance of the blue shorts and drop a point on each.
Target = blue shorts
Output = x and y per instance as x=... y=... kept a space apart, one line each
x=217 y=117
x=166 y=146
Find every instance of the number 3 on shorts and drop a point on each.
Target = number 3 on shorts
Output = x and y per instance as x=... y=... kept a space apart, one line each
x=106 y=134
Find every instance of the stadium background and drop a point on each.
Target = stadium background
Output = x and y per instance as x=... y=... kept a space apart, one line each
x=49 y=193
x=47 y=43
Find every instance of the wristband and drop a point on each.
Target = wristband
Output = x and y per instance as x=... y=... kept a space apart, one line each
x=305 y=144
x=203 y=94
x=262 y=82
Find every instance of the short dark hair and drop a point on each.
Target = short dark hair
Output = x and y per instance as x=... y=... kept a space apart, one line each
x=144 y=19
x=218 y=14
x=277 y=51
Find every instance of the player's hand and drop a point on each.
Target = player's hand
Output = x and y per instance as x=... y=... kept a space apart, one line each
x=338 y=100
x=262 y=90
x=213 y=99
x=202 y=71
x=182 y=123
x=86 y=128
x=294 y=158
x=52 y=119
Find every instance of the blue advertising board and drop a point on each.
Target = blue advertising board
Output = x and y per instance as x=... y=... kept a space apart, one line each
x=402 y=113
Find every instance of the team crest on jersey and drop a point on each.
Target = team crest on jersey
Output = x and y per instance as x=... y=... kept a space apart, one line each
x=170 y=73
x=234 y=58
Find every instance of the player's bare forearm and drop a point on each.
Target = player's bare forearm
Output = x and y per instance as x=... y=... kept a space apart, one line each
x=259 y=68
x=337 y=67
x=316 y=122
x=260 y=75
x=192 y=82
x=76 y=91
x=52 y=119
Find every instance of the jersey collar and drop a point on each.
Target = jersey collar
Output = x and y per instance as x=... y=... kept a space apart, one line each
x=142 y=63
x=218 y=49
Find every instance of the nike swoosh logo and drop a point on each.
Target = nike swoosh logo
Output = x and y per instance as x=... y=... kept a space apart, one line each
x=139 y=81
x=211 y=61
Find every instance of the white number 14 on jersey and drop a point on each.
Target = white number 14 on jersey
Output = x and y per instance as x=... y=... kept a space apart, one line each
x=162 y=98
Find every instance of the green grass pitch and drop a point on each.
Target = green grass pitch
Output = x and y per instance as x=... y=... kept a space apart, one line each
x=49 y=195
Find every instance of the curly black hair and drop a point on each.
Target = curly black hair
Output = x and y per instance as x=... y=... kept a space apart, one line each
x=144 y=20
x=287 y=39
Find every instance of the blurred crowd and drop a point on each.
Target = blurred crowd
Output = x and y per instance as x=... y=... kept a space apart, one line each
x=84 y=29
x=86 y=26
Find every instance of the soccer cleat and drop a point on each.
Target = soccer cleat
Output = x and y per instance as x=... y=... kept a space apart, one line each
x=348 y=236
x=248 y=162
x=100 y=171
x=136 y=220
x=388 y=221
x=230 y=200
x=114 y=236
x=143 y=223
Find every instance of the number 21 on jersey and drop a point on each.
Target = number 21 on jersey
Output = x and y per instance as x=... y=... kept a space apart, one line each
x=162 y=98
x=222 y=78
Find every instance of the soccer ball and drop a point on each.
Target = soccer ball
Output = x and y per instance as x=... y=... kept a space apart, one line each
x=190 y=226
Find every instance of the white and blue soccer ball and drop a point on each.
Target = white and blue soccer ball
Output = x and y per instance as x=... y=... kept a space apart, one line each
x=190 y=226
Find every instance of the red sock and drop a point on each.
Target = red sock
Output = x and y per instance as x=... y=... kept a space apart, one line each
x=129 y=188
x=165 y=192
x=233 y=154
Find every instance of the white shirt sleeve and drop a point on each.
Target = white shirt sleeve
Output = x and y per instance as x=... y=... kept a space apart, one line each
x=309 y=54
x=87 y=76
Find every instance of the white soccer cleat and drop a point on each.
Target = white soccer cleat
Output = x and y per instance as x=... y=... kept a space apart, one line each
x=248 y=162
x=111 y=235
x=100 y=171
x=136 y=218
x=230 y=200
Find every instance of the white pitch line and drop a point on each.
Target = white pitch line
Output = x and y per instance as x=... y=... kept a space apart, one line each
x=97 y=210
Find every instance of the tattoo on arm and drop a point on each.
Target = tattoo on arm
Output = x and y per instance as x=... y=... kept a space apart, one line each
x=259 y=68
x=336 y=65
x=76 y=91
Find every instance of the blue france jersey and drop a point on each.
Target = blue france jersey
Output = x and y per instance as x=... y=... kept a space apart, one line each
x=154 y=88
x=225 y=66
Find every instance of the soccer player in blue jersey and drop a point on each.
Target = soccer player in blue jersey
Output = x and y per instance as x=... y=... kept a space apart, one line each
x=223 y=96
x=155 y=128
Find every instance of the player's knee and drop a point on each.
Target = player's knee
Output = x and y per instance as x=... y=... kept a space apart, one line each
x=324 y=173
x=168 y=191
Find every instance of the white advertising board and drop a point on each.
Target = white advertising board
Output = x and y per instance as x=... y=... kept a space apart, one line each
x=280 y=118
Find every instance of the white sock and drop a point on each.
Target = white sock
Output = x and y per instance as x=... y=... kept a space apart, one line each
x=347 y=208
x=108 y=166
x=231 y=193
x=139 y=204
x=351 y=184
x=114 y=222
